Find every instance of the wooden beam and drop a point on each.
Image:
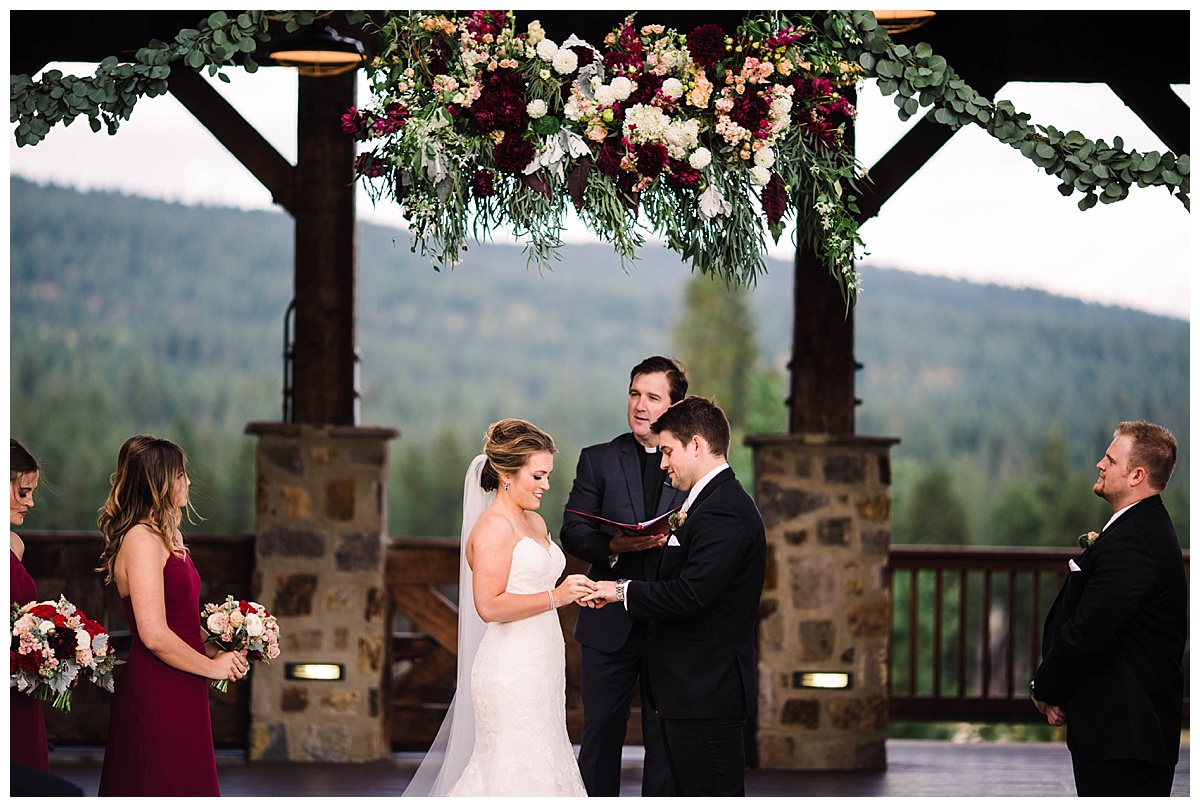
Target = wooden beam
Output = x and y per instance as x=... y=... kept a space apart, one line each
x=910 y=154
x=237 y=135
x=431 y=612
x=1159 y=107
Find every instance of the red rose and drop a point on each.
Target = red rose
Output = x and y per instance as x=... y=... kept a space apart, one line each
x=43 y=611
x=243 y=606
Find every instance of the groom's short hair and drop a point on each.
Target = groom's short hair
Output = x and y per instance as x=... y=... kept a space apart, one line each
x=696 y=415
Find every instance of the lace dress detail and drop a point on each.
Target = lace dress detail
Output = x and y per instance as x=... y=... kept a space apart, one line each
x=519 y=695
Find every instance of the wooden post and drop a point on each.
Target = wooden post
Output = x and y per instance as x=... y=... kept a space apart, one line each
x=822 y=379
x=326 y=239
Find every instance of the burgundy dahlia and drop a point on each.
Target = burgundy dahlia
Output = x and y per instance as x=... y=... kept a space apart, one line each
x=482 y=184
x=608 y=161
x=682 y=175
x=513 y=153
x=355 y=121
x=750 y=111
x=651 y=159
x=706 y=44
x=482 y=23
x=365 y=165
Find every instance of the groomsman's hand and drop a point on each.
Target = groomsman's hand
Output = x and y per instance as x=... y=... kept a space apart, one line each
x=606 y=592
x=622 y=541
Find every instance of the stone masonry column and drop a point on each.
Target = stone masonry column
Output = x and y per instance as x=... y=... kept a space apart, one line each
x=319 y=568
x=826 y=603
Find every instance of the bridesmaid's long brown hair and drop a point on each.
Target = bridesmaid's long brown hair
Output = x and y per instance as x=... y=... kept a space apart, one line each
x=143 y=490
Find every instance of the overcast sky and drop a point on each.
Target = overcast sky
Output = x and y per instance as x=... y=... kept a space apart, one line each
x=978 y=210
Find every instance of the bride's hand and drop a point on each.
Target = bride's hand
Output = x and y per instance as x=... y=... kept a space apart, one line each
x=573 y=588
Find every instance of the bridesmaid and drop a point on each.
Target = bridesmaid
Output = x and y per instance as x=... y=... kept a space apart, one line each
x=27 y=726
x=159 y=730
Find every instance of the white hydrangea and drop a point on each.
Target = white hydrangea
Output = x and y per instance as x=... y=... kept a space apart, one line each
x=536 y=108
x=621 y=88
x=645 y=124
x=682 y=137
x=672 y=88
x=764 y=157
x=700 y=158
x=759 y=175
x=565 y=61
x=546 y=49
x=605 y=95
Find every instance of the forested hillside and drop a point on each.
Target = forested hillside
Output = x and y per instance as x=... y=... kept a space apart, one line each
x=133 y=315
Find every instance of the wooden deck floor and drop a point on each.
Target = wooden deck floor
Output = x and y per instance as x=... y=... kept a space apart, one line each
x=916 y=768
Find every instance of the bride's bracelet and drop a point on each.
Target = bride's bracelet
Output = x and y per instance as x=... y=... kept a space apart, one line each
x=553 y=604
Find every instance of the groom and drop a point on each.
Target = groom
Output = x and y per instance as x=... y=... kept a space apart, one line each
x=702 y=608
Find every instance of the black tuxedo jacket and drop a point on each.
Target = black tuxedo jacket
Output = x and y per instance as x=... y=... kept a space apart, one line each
x=703 y=608
x=1112 y=646
x=608 y=483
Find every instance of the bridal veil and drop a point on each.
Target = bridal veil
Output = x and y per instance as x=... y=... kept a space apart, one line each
x=451 y=749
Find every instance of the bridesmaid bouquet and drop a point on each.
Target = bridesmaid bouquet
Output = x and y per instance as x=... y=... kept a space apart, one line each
x=241 y=625
x=52 y=644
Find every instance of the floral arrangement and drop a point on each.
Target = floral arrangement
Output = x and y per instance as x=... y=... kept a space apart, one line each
x=676 y=520
x=706 y=139
x=1087 y=539
x=53 y=643
x=241 y=625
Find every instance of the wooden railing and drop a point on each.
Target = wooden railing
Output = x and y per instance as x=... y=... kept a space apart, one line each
x=63 y=563
x=966 y=629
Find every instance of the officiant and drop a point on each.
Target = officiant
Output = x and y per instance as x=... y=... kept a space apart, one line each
x=622 y=481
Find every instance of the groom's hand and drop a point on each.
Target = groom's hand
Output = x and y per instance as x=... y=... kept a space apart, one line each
x=622 y=541
x=606 y=592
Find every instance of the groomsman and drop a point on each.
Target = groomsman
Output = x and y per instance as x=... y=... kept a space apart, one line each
x=1112 y=646
x=621 y=481
x=702 y=608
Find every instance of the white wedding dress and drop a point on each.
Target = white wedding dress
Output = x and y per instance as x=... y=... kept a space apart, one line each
x=518 y=688
x=505 y=732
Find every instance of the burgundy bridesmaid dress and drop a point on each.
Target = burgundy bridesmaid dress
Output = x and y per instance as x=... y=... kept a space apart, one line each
x=159 y=730
x=26 y=725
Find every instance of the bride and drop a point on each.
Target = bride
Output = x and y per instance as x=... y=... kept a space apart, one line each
x=505 y=733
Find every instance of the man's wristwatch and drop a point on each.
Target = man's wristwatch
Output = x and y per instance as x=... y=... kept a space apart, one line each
x=621 y=584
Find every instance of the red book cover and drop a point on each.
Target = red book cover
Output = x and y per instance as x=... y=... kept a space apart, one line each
x=641 y=526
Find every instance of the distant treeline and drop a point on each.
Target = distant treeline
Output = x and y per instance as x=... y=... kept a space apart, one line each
x=132 y=315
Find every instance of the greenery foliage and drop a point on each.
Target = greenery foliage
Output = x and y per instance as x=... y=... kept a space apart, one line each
x=813 y=180
x=131 y=315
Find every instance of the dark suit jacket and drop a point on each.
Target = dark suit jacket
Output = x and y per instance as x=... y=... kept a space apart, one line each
x=703 y=608
x=1112 y=646
x=608 y=483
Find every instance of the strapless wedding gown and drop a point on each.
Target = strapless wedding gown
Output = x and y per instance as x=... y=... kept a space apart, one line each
x=519 y=693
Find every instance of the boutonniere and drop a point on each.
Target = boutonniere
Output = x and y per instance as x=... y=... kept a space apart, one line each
x=1087 y=539
x=676 y=519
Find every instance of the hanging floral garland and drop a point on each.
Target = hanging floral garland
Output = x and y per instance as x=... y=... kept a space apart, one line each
x=708 y=140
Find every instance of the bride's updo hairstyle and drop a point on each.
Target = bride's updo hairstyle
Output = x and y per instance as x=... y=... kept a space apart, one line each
x=509 y=444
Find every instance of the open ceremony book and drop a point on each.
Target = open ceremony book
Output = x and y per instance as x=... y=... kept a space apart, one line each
x=641 y=526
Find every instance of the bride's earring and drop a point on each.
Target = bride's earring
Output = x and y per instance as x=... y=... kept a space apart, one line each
x=506 y=486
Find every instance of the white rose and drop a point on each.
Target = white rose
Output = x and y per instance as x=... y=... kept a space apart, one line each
x=536 y=108
x=700 y=158
x=216 y=622
x=760 y=175
x=672 y=88
x=764 y=157
x=565 y=61
x=254 y=625
x=546 y=49
x=621 y=87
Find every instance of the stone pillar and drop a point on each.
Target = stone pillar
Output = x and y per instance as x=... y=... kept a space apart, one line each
x=826 y=603
x=319 y=568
